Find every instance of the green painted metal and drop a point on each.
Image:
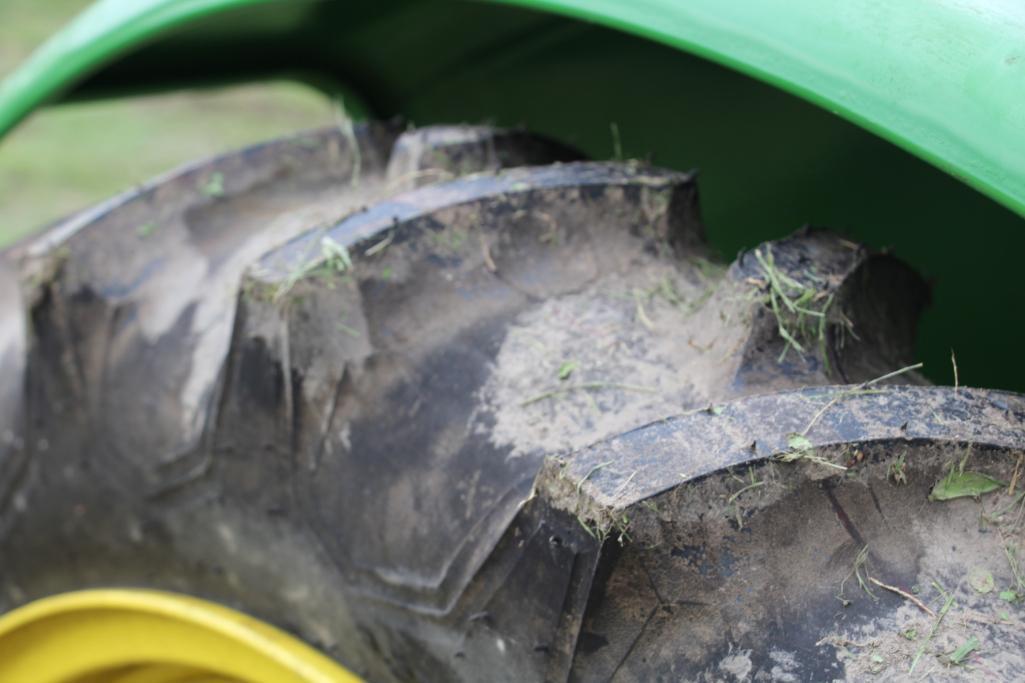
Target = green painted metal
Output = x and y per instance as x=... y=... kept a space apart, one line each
x=941 y=79
x=945 y=80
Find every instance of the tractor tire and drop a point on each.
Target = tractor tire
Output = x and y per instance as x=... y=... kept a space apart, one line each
x=452 y=404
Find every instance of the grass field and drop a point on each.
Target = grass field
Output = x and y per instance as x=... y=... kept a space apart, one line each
x=66 y=158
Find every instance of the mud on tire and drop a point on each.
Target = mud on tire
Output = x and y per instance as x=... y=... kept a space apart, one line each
x=453 y=404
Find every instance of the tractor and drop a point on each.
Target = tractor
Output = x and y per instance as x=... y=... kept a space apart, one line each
x=598 y=340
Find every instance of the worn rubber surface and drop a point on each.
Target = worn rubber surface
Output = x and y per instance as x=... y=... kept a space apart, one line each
x=452 y=405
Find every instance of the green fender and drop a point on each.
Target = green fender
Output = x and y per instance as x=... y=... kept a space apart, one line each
x=944 y=80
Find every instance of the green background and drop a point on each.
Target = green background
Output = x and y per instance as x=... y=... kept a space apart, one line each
x=65 y=158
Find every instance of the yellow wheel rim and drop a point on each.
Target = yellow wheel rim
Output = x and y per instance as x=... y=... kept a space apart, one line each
x=143 y=636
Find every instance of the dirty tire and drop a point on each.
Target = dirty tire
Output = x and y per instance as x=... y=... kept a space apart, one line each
x=452 y=404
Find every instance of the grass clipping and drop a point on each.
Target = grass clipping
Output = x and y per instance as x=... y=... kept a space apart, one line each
x=333 y=260
x=800 y=447
x=802 y=311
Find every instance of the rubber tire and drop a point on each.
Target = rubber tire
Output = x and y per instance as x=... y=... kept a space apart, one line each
x=300 y=380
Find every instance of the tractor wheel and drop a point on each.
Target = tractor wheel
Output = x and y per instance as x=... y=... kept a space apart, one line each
x=452 y=404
